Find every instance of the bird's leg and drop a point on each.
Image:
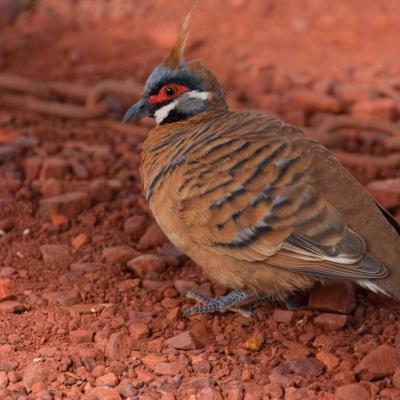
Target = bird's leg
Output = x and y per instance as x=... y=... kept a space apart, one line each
x=260 y=299
x=230 y=302
x=238 y=301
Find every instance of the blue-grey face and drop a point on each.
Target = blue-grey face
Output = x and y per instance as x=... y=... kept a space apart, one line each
x=171 y=95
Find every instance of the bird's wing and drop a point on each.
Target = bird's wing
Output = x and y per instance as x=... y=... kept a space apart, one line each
x=250 y=196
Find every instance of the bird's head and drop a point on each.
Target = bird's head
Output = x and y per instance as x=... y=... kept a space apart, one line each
x=176 y=89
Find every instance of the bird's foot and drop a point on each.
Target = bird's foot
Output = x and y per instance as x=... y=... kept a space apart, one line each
x=237 y=301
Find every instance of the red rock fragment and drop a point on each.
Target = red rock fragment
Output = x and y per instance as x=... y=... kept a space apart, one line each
x=81 y=336
x=35 y=372
x=349 y=92
x=201 y=382
x=119 y=346
x=62 y=298
x=364 y=347
x=182 y=286
x=6 y=291
x=127 y=391
x=145 y=264
x=55 y=255
x=396 y=378
x=51 y=188
x=292 y=393
x=153 y=237
x=307 y=367
x=247 y=375
x=68 y=204
x=273 y=390
x=6 y=224
x=7 y=272
x=143 y=375
x=338 y=297
x=167 y=368
x=151 y=360
x=139 y=330
x=284 y=316
x=201 y=366
x=172 y=315
x=295 y=350
x=127 y=284
x=135 y=226
x=209 y=393
x=54 y=167
x=119 y=254
x=32 y=167
x=100 y=191
x=10 y=306
x=86 y=355
x=331 y=321
x=389 y=394
x=104 y=393
x=151 y=284
x=386 y=192
x=354 y=391
x=59 y=220
x=168 y=396
x=79 y=240
x=328 y=359
x=254 y=391
x=171 y=303
x=325 y=342
x=344 y=377
x=380 y=363
x=109 y=379
x=379 y=108
x=183 y=341
x=3 y=379
x=140 y=316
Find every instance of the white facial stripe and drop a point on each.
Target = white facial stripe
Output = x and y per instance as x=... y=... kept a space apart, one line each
x=164 y=111
x=195 y=94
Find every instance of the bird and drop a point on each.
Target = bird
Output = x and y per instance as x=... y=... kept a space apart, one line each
x=263 y=209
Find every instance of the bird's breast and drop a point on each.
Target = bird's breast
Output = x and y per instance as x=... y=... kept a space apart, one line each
x=160 y=179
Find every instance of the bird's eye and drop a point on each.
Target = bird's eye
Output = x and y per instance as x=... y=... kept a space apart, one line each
x=170 y=90
x=167 y=92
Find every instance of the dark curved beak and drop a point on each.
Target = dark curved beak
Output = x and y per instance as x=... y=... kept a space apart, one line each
x=139 y=110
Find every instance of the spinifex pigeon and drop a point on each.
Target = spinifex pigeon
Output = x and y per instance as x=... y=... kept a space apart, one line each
x=263 y=209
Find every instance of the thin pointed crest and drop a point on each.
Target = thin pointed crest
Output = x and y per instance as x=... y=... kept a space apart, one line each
x=175 y=57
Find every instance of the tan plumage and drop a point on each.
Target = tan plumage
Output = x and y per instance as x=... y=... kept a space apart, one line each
x=249 y=198
x=261 y=207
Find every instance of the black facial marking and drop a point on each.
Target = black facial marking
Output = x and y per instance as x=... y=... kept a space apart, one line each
x=162 y=76
x=174 y=116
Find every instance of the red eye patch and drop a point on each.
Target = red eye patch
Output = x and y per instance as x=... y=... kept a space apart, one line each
x=167 y=92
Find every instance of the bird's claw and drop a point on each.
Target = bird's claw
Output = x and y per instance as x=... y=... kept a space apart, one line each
x=219 y=304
